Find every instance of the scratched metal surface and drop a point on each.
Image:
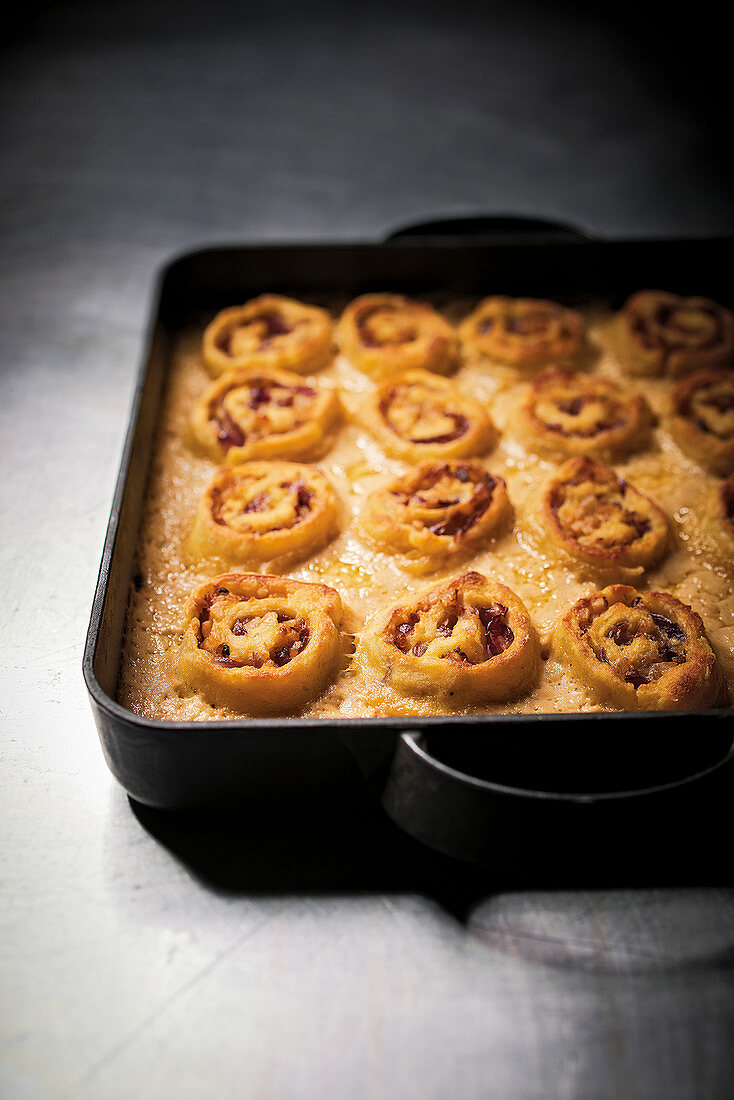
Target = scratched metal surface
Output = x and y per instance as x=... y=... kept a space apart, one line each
x=158 y=955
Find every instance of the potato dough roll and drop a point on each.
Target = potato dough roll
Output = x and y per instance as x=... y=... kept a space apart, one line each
x=469 y=640
x=269 y=331
x=261 y=511
x=524 y=332
x=418 y=415
x=566 y=413
x=260 y=644
x=251 y=413
x=640 y=651
x=383 y=334
x=661 y=333
x=598 y=522
x=437 y=510
x=703 y=418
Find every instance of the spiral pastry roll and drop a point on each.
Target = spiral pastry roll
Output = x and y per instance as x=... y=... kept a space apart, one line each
x=566 y=413
x=437 y=510
x=640 y=651
x=663 y=334
x=718 y=519
x=260 y=644
x=468 y=640
x=599 y=522
x=703 y=418
x=251 y=413
x=261 y=511
x=418 y=415
x=269 y=331
x=524 y=332
x=383 y=334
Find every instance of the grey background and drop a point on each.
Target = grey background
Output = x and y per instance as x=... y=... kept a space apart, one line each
x=158 y=956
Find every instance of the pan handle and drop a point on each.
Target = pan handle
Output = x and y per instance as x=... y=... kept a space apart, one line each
x=475 y=819
x=493 y=228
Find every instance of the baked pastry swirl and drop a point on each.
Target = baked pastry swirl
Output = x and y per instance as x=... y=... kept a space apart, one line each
x=383 y=334
x=269 y=331
x=703 y=418
x=717 y=517
x=640 y=651
x=418 y=415
x=524 y=332
x=262 y=511
x=252 y=413
x=260 y=644
x=598 y=522
x=567 y=413
x=437 y=510
x=469 y=640
x=662 y=333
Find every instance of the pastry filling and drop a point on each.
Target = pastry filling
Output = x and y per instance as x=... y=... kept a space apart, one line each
x=243 y=640
x=418 y=414
x=581 y=415
x=456 y=632
x=711 y=408
x=675 y=326
x=638 y=644
x=256 y=505
x=386 y=325
x=448 y=503
x=259 y=407
x=255 y=334
x=595 y=514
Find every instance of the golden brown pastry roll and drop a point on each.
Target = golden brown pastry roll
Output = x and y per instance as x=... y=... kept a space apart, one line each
x=661 y=333
x=252 y=413
x=466 y=641
x=524 y=332
x=567 y=413
x=598 y=522
x=383 y=334
x=437 y=510
x=640 y=651
x=703 y=418
x=260 y=644
x=718 y=519
x=262 y=511
x=418 y=415
x=269 y=331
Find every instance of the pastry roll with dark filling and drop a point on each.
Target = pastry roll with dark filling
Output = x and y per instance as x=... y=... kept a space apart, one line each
x=251 y=413
x=640 y=651
x=418 y=415
x=269 y=331
x=260 y=644
x=383 y=334
x=567 y=413
x=661 y=333
x=703 y=418
x=598 y=522
x=466 y=641
x=523 y=332
x=437 y=510
x=262 y=511
x=718 y=519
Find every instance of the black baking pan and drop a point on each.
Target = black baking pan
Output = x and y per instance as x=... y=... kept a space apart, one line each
x=457 y=784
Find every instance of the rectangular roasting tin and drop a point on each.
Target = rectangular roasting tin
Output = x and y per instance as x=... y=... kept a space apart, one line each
x=452 y=782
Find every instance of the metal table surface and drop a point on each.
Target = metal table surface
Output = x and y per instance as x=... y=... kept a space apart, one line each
x=320 y=954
